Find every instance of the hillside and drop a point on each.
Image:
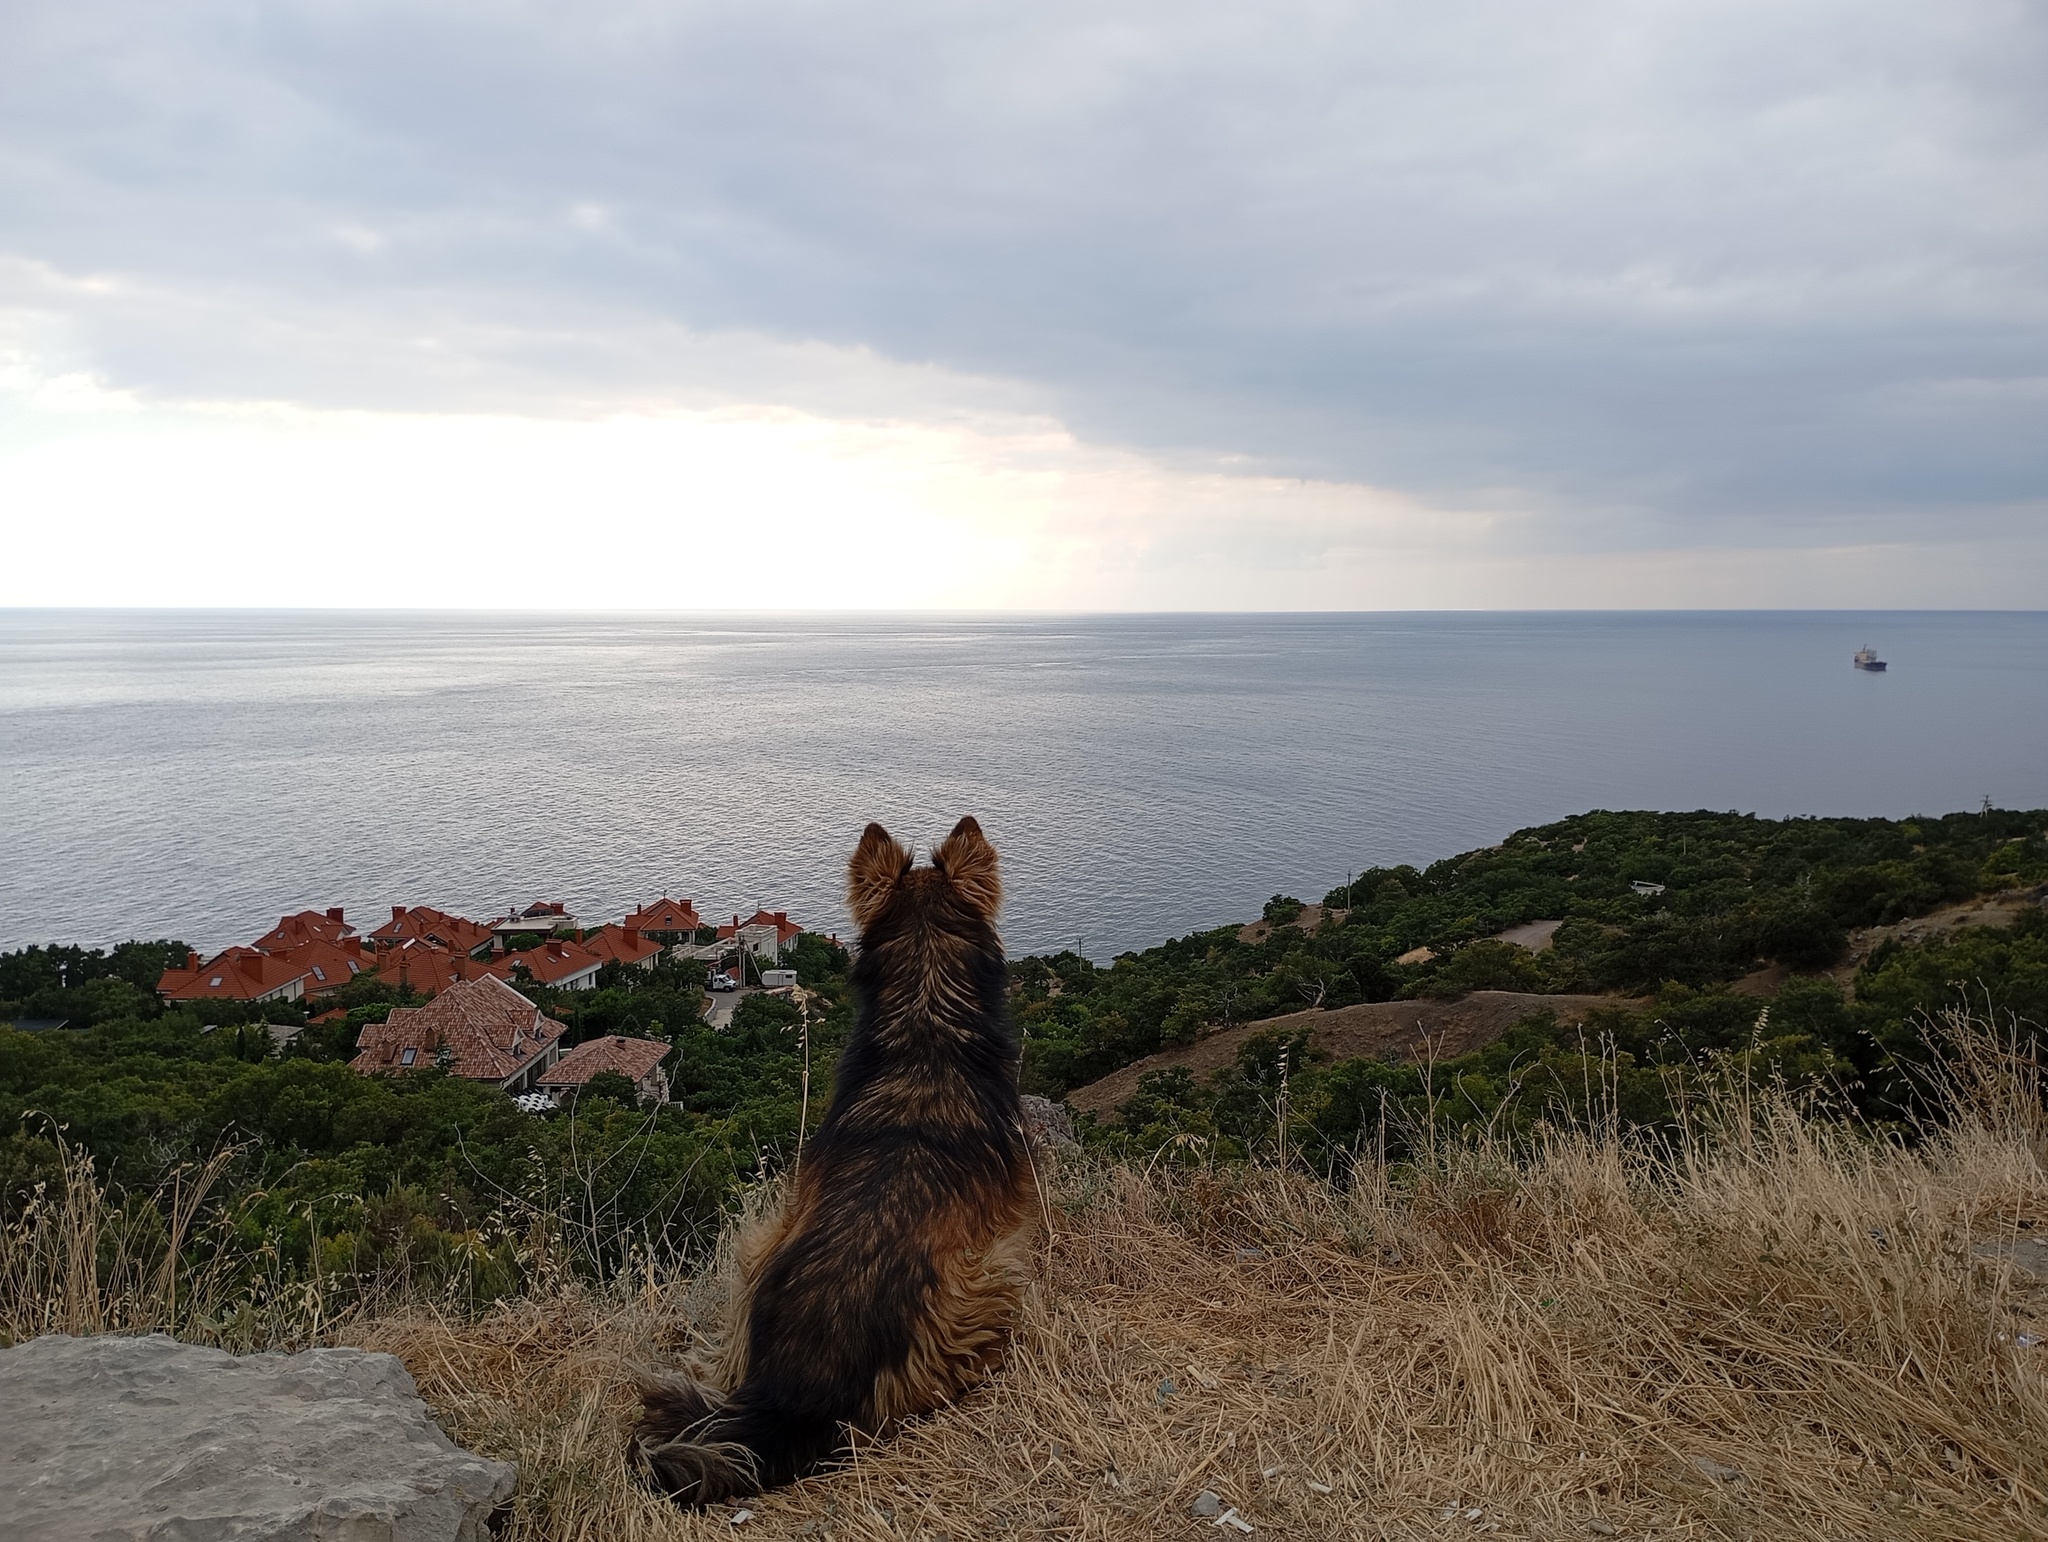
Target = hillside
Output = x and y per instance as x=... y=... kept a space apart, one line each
x=1656 y=937
x=1385 y=1030
x=1621 y=1248
x=1769 y=1327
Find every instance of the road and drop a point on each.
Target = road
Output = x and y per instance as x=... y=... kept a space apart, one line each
x=724 y=1003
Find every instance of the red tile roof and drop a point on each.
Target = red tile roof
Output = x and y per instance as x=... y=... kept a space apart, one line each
x=631 y=1058
x=490 y=1031
x=621 y=943
x=786 y=930
x=549 y=964
x=328 y=965
x=666 y=915
x=239 y=974
x=306 y=926
x=425 y=968
x=425 y=924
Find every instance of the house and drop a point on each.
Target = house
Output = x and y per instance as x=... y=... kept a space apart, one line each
x=666 y=921
x=540 y=919
x=765 y=934
x=622 y=945
x=239 y=974
x=562 y=966
x=423 y=967
x=422 y=923
x=482 y=1030
x=306 y=926
x=328 y=965
x=638 y=1060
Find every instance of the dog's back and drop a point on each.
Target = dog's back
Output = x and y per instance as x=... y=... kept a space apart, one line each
x=891 y=1281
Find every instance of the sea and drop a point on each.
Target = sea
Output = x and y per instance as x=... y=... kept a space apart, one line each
x=197 y=774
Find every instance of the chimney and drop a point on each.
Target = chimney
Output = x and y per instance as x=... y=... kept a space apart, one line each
x=334 y=914
x=632 y=936
x=192 y=962
x=398 y=912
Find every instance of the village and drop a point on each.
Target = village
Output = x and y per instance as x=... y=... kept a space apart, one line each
x=475 y=1022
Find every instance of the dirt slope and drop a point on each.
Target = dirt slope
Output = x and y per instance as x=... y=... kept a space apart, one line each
x=1385 y=1029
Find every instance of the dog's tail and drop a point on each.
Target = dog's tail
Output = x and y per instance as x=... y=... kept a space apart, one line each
x=702 y=1449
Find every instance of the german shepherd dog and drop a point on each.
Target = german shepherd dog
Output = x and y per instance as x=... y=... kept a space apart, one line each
x=888 y=1284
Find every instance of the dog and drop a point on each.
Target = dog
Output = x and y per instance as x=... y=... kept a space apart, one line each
x=888 y=1285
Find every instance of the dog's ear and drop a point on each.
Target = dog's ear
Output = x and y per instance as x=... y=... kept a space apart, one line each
x=871 y=876
x=969 y=863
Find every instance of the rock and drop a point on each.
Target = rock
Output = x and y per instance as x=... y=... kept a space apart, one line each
x=1208 y=1505
x=1050 y=1127
x=150 y=1440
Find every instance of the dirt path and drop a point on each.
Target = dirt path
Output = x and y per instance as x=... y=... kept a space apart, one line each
x=1391 y=1030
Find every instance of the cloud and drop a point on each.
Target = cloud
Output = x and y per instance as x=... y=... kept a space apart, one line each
x=1588 y=284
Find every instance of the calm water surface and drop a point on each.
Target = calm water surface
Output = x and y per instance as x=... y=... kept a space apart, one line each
x=196 y=774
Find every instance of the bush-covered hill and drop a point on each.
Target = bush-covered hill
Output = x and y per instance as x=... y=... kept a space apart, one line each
x=1739 y=893
x=347 y=1177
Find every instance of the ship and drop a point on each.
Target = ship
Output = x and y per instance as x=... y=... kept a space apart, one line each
x=1866 y=658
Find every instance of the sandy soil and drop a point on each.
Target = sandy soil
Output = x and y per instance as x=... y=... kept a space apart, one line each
x=1535 y=935
x=1395 y=1030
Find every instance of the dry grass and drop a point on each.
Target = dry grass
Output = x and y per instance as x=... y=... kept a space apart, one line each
x=1777 y=1328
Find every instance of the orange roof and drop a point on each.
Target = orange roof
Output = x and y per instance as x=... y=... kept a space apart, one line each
x=549 y=964
x=423 y=967
x=306 y=926
x=786 y=930
x=631 y=1058
x=665 y=915
x=621 y=943
x=490 y=1032
x=328 y=965
x=239 y=974
x=423 y=923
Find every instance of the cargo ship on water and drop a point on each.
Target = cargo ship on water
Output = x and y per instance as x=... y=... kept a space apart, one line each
x=1866 y=658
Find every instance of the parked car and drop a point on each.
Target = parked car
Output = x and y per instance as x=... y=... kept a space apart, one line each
x=724 y=982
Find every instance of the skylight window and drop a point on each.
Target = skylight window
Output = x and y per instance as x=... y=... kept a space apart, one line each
x=213 y=982
x=319 y=974
x=406 y=1057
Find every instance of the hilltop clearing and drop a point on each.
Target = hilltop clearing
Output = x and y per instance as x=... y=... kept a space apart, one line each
x=1384 y=1030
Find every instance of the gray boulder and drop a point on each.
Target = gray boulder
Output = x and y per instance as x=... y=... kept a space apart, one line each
x=1048 y=1126
x=150 y=1440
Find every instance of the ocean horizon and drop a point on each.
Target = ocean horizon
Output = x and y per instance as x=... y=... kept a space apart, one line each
x=197 y=773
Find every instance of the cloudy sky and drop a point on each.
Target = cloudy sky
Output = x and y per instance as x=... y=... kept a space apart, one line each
x=1096 y=305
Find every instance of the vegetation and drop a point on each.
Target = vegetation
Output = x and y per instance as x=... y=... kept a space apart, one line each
x=318 y=1174
x=321 y=1181
x=1740 y=893
x=1764 y=1325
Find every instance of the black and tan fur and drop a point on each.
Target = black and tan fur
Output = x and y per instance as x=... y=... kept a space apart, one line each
x=888 y=1284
